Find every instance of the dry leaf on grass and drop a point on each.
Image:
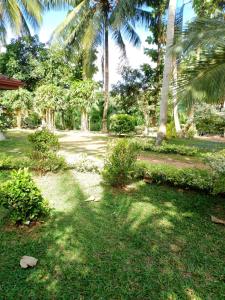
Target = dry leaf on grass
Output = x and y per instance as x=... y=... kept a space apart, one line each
x=28 y=261
x=217 y=220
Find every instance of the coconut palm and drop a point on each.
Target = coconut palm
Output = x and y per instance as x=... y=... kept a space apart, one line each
x=91 y=22
x=167 y=72
x=202 y=79
x=18 y=15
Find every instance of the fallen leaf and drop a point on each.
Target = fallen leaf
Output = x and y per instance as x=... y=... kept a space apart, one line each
x=217 y=220
x=28 y=261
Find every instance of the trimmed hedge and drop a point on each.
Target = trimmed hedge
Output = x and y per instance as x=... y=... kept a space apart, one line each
x=170 y=148
x=188 y=178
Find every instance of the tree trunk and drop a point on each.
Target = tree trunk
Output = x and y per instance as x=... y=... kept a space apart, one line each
x=106 y=76
x=175 y=102
x=166 y=73
x=84 y=120
x=147 y=122
x=18 y=118
x=2 y=136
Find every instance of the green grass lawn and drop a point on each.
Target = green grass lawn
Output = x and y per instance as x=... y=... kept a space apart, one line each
x=153 y=242
x=16 y=144
x=203 y=145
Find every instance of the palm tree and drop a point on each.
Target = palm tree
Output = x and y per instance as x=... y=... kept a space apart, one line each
x=167 y=72
x=91 y=22
x=202 y=79
x=18 y=15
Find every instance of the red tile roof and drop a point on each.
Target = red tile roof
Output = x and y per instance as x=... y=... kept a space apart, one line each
x=9 y=83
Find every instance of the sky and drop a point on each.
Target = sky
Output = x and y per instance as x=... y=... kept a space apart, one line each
x=135 y=56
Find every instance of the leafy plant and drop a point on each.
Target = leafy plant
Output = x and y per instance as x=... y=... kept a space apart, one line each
x=120 y=162
x=169 y=148
x=32 y=121
x=10 y=163
x=47 y=162
x=5 y=121
x=22 y=198
x=186 y=178
x=44 y=141
x=122 y=123
x=216 y=161
x=86 y=165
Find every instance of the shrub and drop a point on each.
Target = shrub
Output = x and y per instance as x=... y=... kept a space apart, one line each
x=186 y=177
x=120 y=162
x=85 y=164
x=170 y=148
x=208 y=120
x=47 y=162
x=191 y=133
x=10 y=163
x=5 y=121
x=171 y=130
x=44 y=141
x=32 y=121
x=22 y=198
x=122 y=123
x=216 y=161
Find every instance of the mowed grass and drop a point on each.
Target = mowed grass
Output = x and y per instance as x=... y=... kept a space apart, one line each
x=153 y=242
x=16 y=144
x=202 y=145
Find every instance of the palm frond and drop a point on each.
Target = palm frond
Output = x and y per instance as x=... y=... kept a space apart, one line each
x=204 y=79
x=117 y=37
x=131 y=34
x=201 y=33
x=72 y=18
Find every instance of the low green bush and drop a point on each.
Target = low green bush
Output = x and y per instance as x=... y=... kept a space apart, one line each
x=120 y=163
x=10 y=163
x=44 y=157
x=44 y=141
x=86 y=164
x=5 y=121
x=122 y=123
x=47 y=162
x=216 y=161
x=171 y=130
x=32 y=121
x=22 y=198
x=169 y=148
x=188 y=178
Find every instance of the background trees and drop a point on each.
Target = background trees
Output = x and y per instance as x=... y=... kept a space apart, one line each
x=19 y=101
x=82 y=95
x=22 y=58
x=89 y=25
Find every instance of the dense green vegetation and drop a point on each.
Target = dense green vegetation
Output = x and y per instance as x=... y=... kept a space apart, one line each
x=137 y=210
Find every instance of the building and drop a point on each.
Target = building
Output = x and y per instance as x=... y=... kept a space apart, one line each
x=9 y=83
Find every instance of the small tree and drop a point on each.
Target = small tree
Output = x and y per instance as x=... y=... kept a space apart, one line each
x=82 y=95
x=48 y=98
x=19 y=101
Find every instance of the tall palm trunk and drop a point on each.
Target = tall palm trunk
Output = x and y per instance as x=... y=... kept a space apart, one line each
x=106 y=76
x=175 y=102
x=166 y=73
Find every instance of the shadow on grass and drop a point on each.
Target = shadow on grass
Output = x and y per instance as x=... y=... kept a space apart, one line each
x=154 y=243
